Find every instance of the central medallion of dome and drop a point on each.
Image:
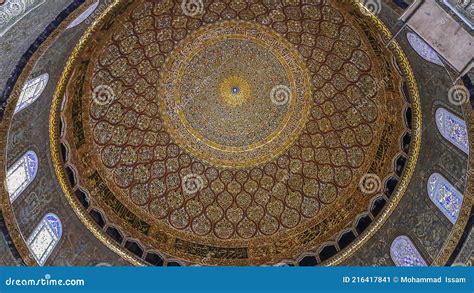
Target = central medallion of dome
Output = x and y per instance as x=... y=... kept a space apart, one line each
x=234 y=90
x=235 y=94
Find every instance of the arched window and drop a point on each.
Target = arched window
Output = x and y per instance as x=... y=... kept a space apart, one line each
x=443 y=194
x=423 y=49
x=21 y=174
x=83 y=16
x=405 y=254
x=452 y=128
x=45 y=237
x=31 y=91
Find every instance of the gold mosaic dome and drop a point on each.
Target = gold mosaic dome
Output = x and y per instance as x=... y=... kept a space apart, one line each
x=234 y=133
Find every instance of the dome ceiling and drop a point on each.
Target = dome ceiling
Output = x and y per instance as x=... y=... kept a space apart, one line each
x=235 y=135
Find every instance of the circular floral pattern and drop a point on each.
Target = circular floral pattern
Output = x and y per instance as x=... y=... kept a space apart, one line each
x=194 y=142
x=217 y=125
x=144 y=148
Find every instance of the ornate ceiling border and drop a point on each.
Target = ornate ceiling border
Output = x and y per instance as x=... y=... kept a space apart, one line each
x=414 y=147
x=54 y=138
x=457 y=231
x=5 y=123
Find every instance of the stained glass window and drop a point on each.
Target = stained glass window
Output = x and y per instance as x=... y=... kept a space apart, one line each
x=452 y=128
x=84 y=15
x=31 y=91
x=443 y=194
x=45 y=237
x=21 y=174
x=423 y=49
x=404 y=253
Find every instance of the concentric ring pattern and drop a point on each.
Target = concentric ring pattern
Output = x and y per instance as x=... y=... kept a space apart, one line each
x=236 y=136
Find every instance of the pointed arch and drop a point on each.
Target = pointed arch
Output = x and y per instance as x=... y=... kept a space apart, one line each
x=452 y=128
x=21 y=174
x=45 y=237
x=83 y=16
x=404 y=253
x=31 y=91
x=423 y=49
x=445 y=196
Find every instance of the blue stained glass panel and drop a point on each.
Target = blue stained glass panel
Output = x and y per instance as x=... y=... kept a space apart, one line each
x=31 y=91
x=55 y=224
x=453 y=129
x=45 y=237
x=21 y=174
x=445 y=196
x=404 y=253
x=423 y=49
